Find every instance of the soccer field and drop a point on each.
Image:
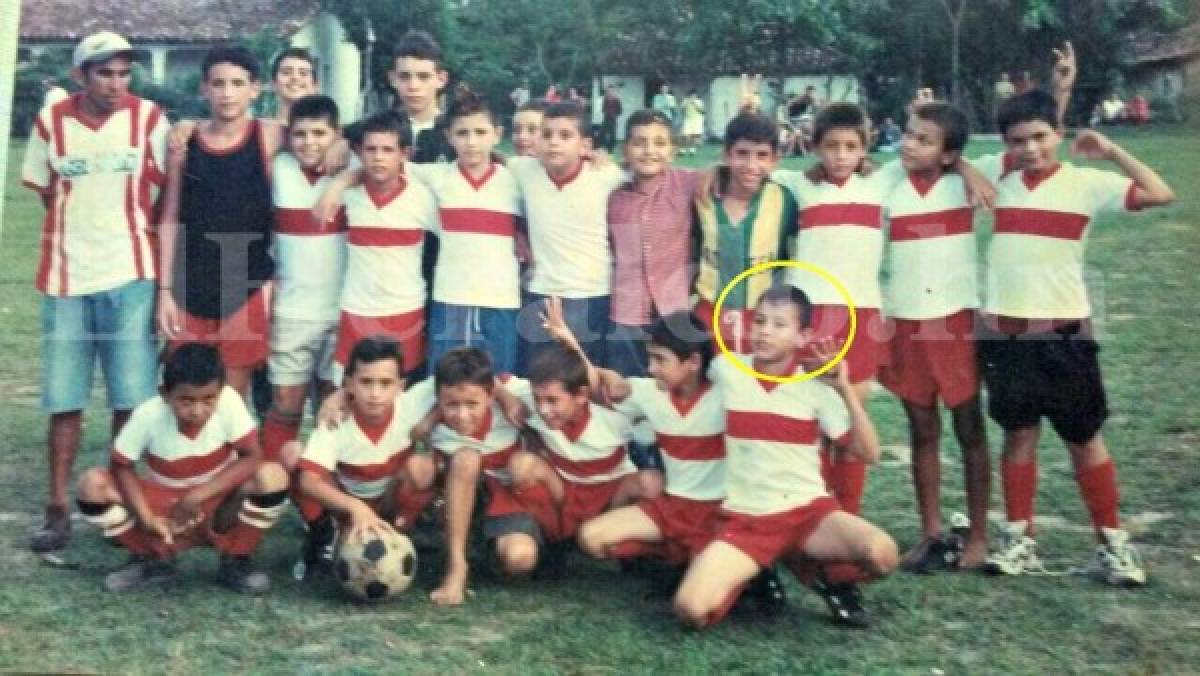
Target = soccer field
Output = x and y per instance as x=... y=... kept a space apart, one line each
x=1143 y=274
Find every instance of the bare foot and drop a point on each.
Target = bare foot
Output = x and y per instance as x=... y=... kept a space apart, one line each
x=974 y=554
x=453 y=590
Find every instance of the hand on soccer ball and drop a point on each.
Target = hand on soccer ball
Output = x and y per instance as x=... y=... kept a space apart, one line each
x=364 y=521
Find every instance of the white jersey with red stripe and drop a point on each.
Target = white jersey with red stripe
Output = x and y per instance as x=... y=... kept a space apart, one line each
x=496 y=441
x=310 y=257
x=384 y=243
x=1035 y=257
x=931 y=269
x=99 y=177
x=772 y=438
x=591 y=451
x=477 y=261
x=364 y=458
x=690 y=434
x=181 y=458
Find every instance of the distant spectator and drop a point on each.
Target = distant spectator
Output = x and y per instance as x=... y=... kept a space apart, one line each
x=1002 y=91
x=1113 y=109
x=610 y=109
x=664 y=102
x=520 y=96
x=692 y=128
x=1025 y=83
x=552 y=95
x=1138 y=110
x=890 y=135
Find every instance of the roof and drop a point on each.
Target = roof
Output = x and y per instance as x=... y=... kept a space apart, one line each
x=1155 y=48
x=162 y=20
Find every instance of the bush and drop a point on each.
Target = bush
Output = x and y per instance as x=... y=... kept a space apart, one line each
x=28 y=92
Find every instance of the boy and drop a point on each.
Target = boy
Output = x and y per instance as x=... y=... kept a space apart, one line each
x=527 y=128
x=310 y=264
x=566 y=205
x=776 y=506
x=293 y=77
x=1036 y=347
x=744 y=221
x=930 y=297
x=214 y=243
x=418 y=76
x=96 y=269
x=388 y=216
x=205 y=480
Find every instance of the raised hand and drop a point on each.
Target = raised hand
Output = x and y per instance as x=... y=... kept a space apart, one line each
x=1091 y=144
x=1066 y=68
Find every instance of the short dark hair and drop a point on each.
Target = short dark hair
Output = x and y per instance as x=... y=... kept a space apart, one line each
x=192 y=364
x=571 y=111
x=465 y=365
x=753 y=127
x=684 y=335
x=301 y=53
x=384 y=122
x=841 y=115
x=1032 y=106
x=235 y=55
x=536 y=105
x=645 y=118
x=372 y=349
x=555 y=363
x=467 y=103
x=314 y=107
x=952 y=121
x=780 y=294
x=418 y=45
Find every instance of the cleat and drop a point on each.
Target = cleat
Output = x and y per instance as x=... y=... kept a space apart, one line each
x=766 y=594
x=934 y=554
x=1117 y=562
x=1017 y=554
x=238 y=574
x=54 y=533
x=316 y=556
x=844 y=601
x=139 y=573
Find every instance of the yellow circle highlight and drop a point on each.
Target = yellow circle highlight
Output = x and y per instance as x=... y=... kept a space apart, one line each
x=799 y=265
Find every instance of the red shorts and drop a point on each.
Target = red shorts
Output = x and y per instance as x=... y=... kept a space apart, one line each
x=765 y=538
x=242 y=338
x=735 y=326
x=832 y=321
x=932 y=357
x=690 y=524
x=580 y=503
x=160 y=499
x=501 y=501
x=408 y=329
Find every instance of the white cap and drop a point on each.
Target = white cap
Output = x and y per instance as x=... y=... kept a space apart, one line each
x=99 y=47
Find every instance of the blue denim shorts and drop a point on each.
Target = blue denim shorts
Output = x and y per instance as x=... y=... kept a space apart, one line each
x=115 y=325
x=494 y=330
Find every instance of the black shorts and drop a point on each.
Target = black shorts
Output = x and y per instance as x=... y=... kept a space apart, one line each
x=1054 y=374
x=496 y=527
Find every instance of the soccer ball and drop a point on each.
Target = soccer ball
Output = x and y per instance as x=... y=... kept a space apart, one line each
x=373 y=567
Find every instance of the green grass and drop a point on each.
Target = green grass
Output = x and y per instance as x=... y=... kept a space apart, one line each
x=597 y=621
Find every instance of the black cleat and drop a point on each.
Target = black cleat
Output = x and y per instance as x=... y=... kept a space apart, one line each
x=765 y=594
x=844 y=601
x=552 y=564
x=238 y=574
x=317 y=554
x=54 y=533
x=934 y=554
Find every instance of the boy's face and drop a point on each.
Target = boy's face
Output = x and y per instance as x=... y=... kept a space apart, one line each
x=309 y=138
x=381 y=156
x=295 y=79
x=527 y=131
x=193 y=405
x=417 y=83
x=229 y=90
x=1034 y=144
x=668 y=370
x=473 y=138
x=464 y=407
x=105 y=84
x=373 y=388
x=777 y=334
x=562 y=147
x=649 y=150
x=750 y=163
x=841 y=151
x=922 y=147
x=556 y=405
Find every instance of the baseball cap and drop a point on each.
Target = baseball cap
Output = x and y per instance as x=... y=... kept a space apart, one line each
x=99 y=47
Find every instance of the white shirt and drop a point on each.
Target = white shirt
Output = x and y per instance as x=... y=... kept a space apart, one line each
x=310 y=257
x=496 y=441
x=183 y=459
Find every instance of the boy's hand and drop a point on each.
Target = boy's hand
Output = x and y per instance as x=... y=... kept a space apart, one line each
x=327 y=207
x=180 y=134
x=424 y=429
x=600 y=158
x=1091 y=144
x=158 y=526
x=1065 y=68
x=556 y=325
x=980 y=191
x=364 y=520
x=823 y=352
x=168 y=315
x=186 y=514
x=336 y=159
x=515 y=411
x=334 y=410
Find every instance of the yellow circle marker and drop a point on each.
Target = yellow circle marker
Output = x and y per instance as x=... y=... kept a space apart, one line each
x=799 y=265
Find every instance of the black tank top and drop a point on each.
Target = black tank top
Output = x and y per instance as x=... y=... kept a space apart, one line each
x=222 y=255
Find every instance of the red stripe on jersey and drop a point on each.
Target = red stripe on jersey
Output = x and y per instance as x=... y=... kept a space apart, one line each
x=62 y=237
x=360 y=236
x=479 y=221
x=374 y=472
x=499 y=459
x=194 y=466
x=589 y=468
x=1041 y=223
x=135 y=239
x=56 y=119
x=865 y=215
x=692 y=448
x=42 y=131
x=49 y=226
x=932 y=225
x=115 y=459
x=302 y=222
x=153 y=172
x=310 y=466
x=134 y=113
x=35 y=187
x=758 y=426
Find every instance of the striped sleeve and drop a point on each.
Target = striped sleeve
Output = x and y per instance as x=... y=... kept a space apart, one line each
x=36 y=172
x=320 y=453
x=135 y=435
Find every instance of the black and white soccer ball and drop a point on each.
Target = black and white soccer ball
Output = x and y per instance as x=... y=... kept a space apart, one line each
x=374 y=567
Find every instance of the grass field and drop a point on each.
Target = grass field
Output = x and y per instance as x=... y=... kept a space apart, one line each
x=1145 y=283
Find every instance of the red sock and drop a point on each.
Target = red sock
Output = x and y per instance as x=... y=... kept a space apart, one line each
x=310 y=510
x=838 y=573
x=826 y=466
x=409 y=504
x=1098 y=486
x=257 y=515
x=1020 y=485
x=277 y=430
x=849 y=482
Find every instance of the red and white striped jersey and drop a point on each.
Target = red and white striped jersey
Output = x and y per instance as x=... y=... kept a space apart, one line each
x=385 y=239
x=184 y=458
x=310 y=257
x=931 y=268
x=495 y=441
x=691 y=435
x=477 y=261
x=588 y=452
x=99 y=177
x=772 y=437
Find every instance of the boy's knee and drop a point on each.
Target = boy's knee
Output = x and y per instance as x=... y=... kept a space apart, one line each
x=270 y=477
x=591 y=539
x=880 y=554
x=518 y=557
x=523 y=468
x=94 y=485
x=421 y=470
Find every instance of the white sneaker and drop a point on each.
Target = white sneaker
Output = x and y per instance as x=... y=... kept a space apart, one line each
x=1117 y=562
x=1017 y=554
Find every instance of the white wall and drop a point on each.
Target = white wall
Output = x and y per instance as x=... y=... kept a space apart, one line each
x=631 y=89
x=338 y=61
x=724 y=95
